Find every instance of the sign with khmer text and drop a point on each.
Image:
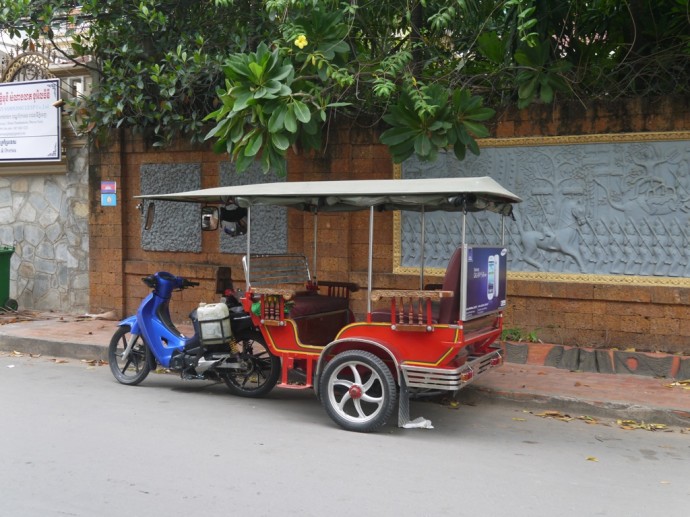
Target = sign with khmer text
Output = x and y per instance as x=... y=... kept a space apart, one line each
x=29 y=123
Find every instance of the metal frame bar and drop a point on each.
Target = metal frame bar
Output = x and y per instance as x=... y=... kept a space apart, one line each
x=249 y=247
x=371 y=257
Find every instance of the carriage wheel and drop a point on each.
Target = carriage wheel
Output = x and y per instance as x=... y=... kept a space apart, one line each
x=358 y=391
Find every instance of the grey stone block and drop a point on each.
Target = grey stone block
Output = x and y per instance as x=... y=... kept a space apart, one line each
x=554 y=357
x=641 y=364
x=684 y=370
x=604 y=362
x=516 y=353
x=571 y=359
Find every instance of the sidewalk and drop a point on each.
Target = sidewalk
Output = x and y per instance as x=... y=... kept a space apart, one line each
x=548 y=389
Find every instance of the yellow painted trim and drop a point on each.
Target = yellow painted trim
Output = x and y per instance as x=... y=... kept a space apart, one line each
x=299 y=343
x=598 y=138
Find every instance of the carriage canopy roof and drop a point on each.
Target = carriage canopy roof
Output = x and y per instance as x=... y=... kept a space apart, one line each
x=449 y=194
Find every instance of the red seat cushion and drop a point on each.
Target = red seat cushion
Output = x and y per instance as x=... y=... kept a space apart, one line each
x=313 y=303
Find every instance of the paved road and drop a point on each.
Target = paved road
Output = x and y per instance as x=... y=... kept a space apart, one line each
x=76 y=443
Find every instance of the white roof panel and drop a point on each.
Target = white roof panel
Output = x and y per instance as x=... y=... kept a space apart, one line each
x=451 y=194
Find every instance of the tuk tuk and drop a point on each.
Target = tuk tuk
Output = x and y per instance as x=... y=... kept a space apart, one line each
x=407 y=341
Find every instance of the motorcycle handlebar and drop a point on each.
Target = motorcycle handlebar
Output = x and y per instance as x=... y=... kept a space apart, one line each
x=150 y=280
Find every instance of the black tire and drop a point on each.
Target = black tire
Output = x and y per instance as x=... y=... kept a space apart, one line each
x=358 y=391
x=262 y=368
x=137 y=366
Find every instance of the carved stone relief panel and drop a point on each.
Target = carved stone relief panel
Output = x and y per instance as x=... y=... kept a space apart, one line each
x=604 y=208
x=269 y=223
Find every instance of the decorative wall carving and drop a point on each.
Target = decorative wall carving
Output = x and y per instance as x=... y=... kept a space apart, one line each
x=611 y=206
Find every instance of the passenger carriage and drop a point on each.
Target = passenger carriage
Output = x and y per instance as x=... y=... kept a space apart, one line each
x=437 y=337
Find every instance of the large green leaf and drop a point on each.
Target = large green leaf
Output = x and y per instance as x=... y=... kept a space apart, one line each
x=280 y=140
x=254 y=144
x=301 y=111
x=491 y=46
x=276 y=122
x=289 y=120
x=397 y=135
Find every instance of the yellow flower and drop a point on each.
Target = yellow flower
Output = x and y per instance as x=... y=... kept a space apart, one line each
x=301 y=41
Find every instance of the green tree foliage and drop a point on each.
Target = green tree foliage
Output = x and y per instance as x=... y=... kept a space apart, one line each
x=259 y=77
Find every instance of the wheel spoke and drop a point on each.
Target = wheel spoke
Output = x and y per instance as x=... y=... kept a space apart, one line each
x=358 y=407
x=127 y=363
x=345 y=398
x=373 y=400
x=343 y=382
x=372 y=380
x=355 y=374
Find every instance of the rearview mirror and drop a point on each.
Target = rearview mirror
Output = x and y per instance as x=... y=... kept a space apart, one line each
x=209 y=218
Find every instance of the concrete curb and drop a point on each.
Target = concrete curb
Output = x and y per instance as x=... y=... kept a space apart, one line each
x=28 y=345
x=576 y=407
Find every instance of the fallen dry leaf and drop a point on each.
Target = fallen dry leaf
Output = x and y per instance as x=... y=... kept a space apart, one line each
x=555 y=415
x=631 y=425
x=16 y=354
x=684 y=384
x=94 y=362
x=519 y=419
x=592 y=458
x=60 y=361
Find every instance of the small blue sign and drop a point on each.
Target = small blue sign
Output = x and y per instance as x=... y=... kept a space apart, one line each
x=109 y=199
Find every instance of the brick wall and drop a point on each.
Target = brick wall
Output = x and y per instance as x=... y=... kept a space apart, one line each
x=587 y=314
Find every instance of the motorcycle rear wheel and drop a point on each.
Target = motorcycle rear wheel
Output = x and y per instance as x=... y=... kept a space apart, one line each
x=136 y=367
x=262 y=367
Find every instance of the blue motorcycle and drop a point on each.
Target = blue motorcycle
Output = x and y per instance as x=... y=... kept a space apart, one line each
x=225 y=346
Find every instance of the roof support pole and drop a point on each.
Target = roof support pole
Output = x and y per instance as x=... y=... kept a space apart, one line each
x=370 y=271
x=249 y=246
x=423 y=237
x=503 y=230
x=316 y=232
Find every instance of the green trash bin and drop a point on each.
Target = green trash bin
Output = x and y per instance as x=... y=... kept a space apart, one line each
x=5 y=257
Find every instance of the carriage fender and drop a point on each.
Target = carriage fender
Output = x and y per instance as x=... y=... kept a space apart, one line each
x=378 y=347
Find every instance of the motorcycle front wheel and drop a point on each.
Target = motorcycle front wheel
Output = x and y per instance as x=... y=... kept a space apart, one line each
x=260 y=368
x=136 y=366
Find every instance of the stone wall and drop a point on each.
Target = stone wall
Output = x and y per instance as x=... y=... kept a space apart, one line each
x=579 y=310
x=45 y=218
